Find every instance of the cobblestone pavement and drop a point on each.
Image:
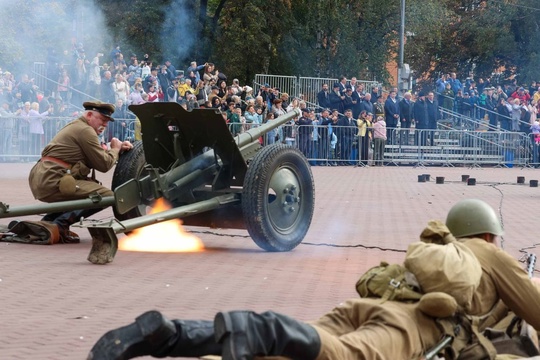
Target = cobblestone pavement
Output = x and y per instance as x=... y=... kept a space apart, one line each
x=55 y=304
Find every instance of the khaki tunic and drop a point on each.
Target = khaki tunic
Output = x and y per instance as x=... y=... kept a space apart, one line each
x=504 y=279
x=76 y=142
x=369 y=329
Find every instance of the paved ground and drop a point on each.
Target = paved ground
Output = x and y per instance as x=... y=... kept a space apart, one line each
x=55 y=304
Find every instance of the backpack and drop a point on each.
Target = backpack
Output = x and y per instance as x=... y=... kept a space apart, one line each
x=388 y=282
x=438 y=263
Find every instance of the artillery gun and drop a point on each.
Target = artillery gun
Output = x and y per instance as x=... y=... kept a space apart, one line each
x=212 y=179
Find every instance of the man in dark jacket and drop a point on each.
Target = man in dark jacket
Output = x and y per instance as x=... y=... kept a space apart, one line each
x=345 y=131
x=358 y=96
x=405 y=116
x=323 y=97
x=391 y=112
x=336 y=99
x=432 y=114
x=491 y=106
x=420 y=119
x=304 y=131
x=324 y=141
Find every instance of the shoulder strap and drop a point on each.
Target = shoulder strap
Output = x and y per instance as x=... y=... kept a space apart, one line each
x=393 y=287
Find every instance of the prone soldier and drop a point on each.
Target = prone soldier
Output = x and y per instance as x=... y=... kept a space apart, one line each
x=367 y=328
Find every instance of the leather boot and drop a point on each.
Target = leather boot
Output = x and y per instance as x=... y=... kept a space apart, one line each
x=152 y=334
x=245 y=334
x=193 y=338
x=65 y=220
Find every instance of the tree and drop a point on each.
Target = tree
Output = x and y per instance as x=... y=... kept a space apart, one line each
x=248 y=37
x=325 y=38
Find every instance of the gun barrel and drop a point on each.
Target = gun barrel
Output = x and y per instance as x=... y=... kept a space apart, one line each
x=89 y=203
x=256 y=132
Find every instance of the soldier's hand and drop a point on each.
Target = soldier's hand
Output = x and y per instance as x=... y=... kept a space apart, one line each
x=126 y=146
x=116 y=144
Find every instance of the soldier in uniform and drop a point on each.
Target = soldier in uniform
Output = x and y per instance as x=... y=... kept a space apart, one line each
x=379 y=107
x=74 y=152
x=365 y=328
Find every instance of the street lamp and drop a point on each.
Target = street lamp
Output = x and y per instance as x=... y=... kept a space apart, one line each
x=403 y=69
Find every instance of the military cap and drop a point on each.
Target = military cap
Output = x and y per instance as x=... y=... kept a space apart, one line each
x=104 y=109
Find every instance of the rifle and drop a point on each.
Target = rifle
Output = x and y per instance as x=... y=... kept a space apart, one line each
x=531 y=263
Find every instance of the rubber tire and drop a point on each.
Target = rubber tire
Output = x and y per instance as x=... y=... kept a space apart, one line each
x=130 y=166
x=259 y=200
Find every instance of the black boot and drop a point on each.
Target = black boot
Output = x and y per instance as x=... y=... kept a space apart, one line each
x=245 y=334
x=194 y=338
x=152 y=334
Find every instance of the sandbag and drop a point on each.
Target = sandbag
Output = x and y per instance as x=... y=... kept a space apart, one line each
x=442 y=264
x=32 y=232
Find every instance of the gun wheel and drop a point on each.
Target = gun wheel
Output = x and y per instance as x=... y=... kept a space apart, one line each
x=130 y=166
x=278 y=198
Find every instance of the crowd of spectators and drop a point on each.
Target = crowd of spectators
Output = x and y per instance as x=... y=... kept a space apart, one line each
x=504 y=104
x=340 y=126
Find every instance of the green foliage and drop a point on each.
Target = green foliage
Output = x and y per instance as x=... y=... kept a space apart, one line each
x=248 y=38
x=325 y=38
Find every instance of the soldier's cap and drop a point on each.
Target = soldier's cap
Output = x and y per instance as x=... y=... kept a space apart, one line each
x=105 y=109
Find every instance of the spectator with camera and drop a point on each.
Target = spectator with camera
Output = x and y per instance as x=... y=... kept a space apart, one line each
x=165 y=76
x=193 y=67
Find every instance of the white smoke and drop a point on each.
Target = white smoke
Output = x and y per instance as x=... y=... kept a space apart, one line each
x=178 y=36
x=32 y=28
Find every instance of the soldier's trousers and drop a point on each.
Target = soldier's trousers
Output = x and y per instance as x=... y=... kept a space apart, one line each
x=85 y=188
x=371 y=330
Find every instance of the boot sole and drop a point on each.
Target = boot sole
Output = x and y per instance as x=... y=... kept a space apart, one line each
x=223 y=332
x=137 y=339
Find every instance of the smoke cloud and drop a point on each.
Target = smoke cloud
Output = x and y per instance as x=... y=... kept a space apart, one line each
x=178 y=36
x=32 y=30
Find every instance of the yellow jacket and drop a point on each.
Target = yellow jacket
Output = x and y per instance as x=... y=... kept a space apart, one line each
x=363 y=125
x=183 y=88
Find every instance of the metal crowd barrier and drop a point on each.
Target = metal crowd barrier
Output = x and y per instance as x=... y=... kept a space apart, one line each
x=416 y=147
x=323 y=145
x=18 y=144
x=305 y=88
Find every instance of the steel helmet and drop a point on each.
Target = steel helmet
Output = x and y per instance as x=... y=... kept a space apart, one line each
x=471 y=217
